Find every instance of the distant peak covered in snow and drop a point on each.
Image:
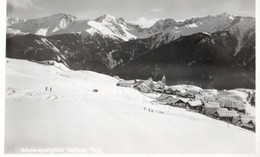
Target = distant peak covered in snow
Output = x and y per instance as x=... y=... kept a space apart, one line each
x=109 y=26
x=13 y=20
x=106 y=18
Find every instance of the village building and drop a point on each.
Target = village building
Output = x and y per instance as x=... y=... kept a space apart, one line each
x=149 y=83
x=143 y=88
x=210 y=108
x=245 y=121
x=158 y=89
x=169 y=91
x=164 y=80
x=232 y=104
x=229 y=104
x=195 y=105
x=163 y=97
x=224 y=114
x=177 y=103
x=249 y=125
x=184 y=93
x=126 y=83
x=240 y=107
x=209 y=99
x=169 y=100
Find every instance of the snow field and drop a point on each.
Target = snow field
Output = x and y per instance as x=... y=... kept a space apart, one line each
x=112 y=120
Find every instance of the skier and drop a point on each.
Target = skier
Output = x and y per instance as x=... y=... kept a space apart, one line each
x=46 y=88
x=51 y=89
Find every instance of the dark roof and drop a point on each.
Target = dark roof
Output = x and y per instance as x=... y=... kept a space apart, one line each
x=169 y=89
x=250 y=124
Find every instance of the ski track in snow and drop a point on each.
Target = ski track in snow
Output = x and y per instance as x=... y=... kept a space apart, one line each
x=113 y=119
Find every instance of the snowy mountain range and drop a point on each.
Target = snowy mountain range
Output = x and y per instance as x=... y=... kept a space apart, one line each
x=108 y=26
x=106 y=43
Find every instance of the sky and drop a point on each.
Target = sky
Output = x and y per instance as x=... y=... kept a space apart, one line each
x=144 y=12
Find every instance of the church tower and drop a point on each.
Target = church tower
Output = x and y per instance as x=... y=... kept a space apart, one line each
x=164 y=80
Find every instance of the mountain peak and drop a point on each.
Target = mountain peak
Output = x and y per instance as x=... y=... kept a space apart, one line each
x=163 y=24
x=64 y=15
x=105 y=17
x=225 y=14
x=13 y=20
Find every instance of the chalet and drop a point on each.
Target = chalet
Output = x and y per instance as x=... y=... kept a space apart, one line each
x=232 y=104
x=177 y=103
x=169 y=91
x=245 y=121
x=185 y=100
x=163 y=97
x=126 y=83
x=229 y=104
x=209 y=99
x=149 y=83
x=210 y=108
x=143 y=88
x=186 y=95
x=249 y=125
x=195 y=105
x=240 y=107
x=176 y=91
x=158 y=89
x=224 y=114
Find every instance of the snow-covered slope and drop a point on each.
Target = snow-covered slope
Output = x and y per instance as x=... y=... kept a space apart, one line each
x=112 y=120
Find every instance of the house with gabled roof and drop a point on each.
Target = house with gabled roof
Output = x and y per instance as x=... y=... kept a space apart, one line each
x=210 y=108
x=177 y=102
x=143 y=88
x=245 y=121
x=163 y=97
x=126 y=83
x=224 y=114
x=195 y=105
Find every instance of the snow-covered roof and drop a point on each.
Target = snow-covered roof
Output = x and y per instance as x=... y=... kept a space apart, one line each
x=195 y=103
x=127 y=81
x=226 y=113
x=211 y=105
x=164 y=96
x=246 y=118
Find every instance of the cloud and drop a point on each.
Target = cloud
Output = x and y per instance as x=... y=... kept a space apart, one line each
x=143 y=22
x=247 y=13
x=156 y=10
x=22 y=5
x=204 y=11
